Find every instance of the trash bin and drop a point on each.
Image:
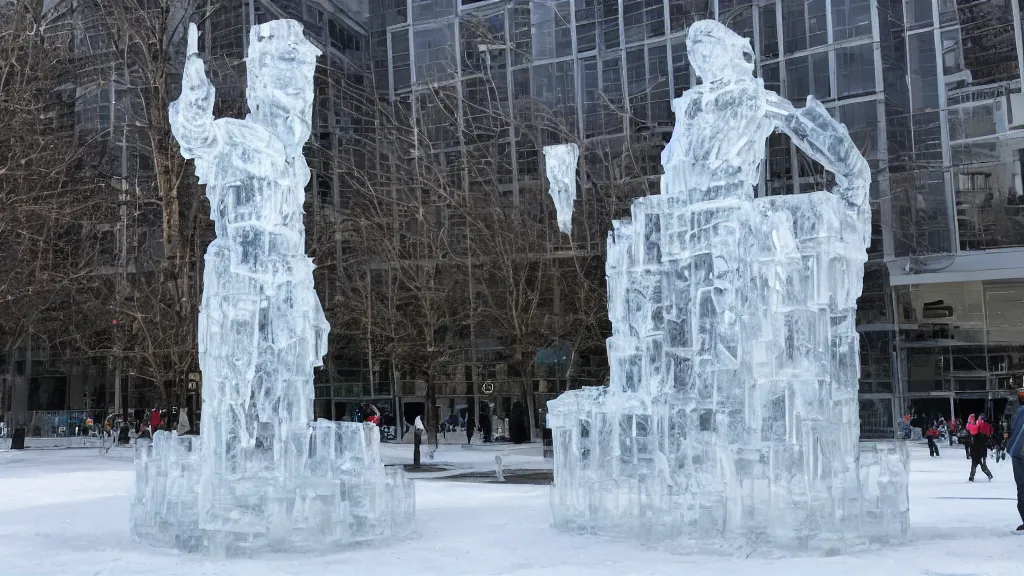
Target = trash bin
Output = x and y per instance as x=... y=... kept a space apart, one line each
x=18 y=439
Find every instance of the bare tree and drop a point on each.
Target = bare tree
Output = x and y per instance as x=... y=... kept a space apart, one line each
x=136 y=51
x=50 y=199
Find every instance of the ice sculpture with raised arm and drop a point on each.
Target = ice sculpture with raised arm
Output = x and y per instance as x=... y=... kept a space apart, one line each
x=731 y=420
x=263 y=475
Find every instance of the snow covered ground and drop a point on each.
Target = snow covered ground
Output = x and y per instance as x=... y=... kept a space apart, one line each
x=66 y=512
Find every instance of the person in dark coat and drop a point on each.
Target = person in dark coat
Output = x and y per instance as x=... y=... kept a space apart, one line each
x=515 y=423
x=966 y=434
x=979 y=448
x=485 y=421
x=470 y=425
x=1015 y=448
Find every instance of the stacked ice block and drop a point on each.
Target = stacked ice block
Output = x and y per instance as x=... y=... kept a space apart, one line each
x=339 y=494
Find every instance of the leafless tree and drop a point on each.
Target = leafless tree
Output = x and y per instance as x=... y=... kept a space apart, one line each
x=50 y=199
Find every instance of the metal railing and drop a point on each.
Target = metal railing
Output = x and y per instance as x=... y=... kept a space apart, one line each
x=54 y=423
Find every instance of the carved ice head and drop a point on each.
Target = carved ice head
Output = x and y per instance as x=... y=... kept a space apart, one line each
x=717 y=53
x=280 y=67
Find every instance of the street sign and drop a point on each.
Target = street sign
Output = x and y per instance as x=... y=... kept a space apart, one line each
x=487 y=388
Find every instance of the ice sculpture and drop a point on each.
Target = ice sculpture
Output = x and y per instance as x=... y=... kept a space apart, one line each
x=262 y=476
x=731 y=419
x=560 y=162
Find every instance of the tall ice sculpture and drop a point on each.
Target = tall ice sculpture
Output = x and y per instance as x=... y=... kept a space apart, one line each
x=731 y=419
x=263 y=475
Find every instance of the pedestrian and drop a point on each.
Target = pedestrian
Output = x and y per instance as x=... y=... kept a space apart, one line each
x=145 y=431
x=967 y=435
x=979 y=448
x=933 y=448
x=952 y=430
x=470 y=425
x=418 y=430
x=1015 y=447
x=154 y=419
x=183 y=425
x=999 y=443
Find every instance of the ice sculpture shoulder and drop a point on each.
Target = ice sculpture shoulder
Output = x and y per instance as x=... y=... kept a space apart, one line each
x=731 y=417
x=262 y=476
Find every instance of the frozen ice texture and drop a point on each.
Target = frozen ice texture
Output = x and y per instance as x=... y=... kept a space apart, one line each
x=560 y=162
x=731 y=420
x=263 y=475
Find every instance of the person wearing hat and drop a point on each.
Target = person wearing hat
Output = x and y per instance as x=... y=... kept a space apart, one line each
x=1015 y=448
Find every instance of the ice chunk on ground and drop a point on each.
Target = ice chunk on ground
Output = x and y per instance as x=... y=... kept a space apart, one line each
x=731 y=419
x=262 y=476
x=560 y=162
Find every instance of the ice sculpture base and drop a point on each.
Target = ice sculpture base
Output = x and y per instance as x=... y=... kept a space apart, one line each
x=612 y=479
x=343 y=495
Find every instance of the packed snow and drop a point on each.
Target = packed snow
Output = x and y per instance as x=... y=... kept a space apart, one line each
x=66 y=512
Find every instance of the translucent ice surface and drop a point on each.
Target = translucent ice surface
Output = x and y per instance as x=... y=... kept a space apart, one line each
x=560 y=162
x=262 y=476
x=731 y=420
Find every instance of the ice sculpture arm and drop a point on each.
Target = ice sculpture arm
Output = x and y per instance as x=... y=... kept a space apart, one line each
x=191 y=115
x=825 y=140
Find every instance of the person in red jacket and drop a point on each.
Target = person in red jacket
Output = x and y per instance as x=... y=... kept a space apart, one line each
x=981 y=432
x=154 y=420
x=933 y=448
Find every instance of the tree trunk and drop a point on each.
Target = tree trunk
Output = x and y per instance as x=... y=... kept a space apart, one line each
x=528 y=405
x=429 y=419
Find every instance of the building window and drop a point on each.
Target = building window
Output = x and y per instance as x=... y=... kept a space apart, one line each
x=794 y=26
x=771 y=78
x=401 y=76
x=924 y=83
x=919 y=14
x=424 y=10
x=861 y=120
x=682 y=13
x=769 y=36
x=680 y=67
x=552 y=35
x=857 y=64
x=435 y=53
x=850 y=19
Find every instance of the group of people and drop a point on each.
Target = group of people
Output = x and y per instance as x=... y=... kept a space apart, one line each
x=157 y=419
x=979 y=436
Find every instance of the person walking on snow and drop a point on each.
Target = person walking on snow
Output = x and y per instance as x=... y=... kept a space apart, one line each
x=931 y=435
x=154 y=420
x=999 y=442
x=1015 y=448
x=967 y=434
x=470 y=426
x=982 y=431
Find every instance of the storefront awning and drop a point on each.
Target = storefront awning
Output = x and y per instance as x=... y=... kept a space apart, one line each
x=999 y=264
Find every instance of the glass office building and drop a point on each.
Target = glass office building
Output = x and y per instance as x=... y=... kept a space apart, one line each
x=929 y=89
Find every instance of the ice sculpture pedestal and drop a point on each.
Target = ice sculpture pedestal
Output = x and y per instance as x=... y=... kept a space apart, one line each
x=731 y=418
x=263 y=476
x=341 y=494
